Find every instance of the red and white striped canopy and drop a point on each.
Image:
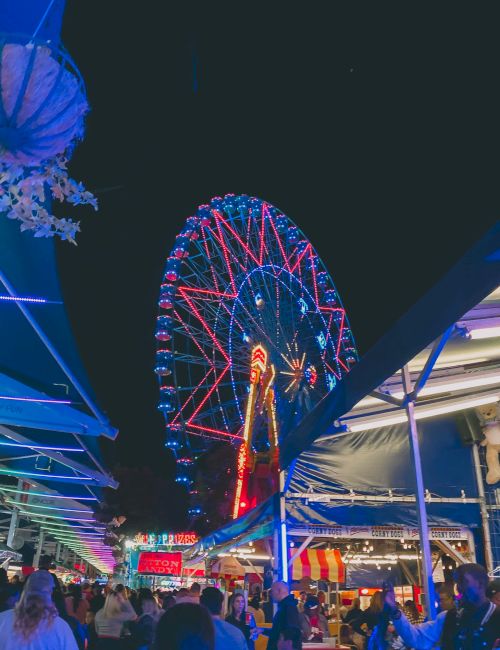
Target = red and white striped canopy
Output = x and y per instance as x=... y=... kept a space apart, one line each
x=228 y=568
x=319 y=565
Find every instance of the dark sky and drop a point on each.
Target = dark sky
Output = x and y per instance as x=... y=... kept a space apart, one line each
x=373 y=126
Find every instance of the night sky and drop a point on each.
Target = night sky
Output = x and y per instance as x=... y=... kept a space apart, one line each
x=373 y=126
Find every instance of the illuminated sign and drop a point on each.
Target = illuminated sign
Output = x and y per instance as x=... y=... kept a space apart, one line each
x=385 y=532
x=166 y=539
x=165 y=564
x=259 y=358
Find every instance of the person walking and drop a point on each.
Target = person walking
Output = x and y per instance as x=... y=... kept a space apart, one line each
x=475 y=625
x=109 y=621
x=76 y=605
x=355 y=618
x=34 y=623
x=186 y=626
x=287 y=616
x=227 y=636
x=243 y=620
x=143 y=629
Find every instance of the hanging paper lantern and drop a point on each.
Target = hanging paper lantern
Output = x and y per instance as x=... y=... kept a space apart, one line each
x=42 y=102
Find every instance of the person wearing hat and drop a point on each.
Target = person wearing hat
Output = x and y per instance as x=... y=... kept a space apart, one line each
x=34 y=623
x=313 y=623
x=493 y=592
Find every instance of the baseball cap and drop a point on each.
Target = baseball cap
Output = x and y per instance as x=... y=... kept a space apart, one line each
x=311 y=602
x=493 y=588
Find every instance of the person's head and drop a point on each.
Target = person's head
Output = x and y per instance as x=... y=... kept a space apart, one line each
x=255 y=602
x=356 y=603
x=472 y=581
x=186 y=627
x=45 y=562
x=112 y=605
x=445 y=596
x=345 y=634
x=311 y=605
x=75 y=591
x=121 y=590
x=377 y=602
x=195 y=589
x=237 y=605
x=35 y=605
x=168 y=601
x=89 y=617
x=96 y=589
x=493 y=592
x=212 y=598
x=321 y=597
x=303 y=596
x=279 y=590
x=411 y=608
x=15 y=579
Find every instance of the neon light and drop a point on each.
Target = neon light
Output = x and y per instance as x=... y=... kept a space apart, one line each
x=210 y=430
x=259 y=358
x=303 y=306
x=191 y=397
x=42 y=301
x=197 y=410
x=217 y=293
x=205 y=325
x=33 y=505
x=34 y=399
x=261 y=256
x=321 y=340
x=16 y=444
x=241 y=466
x=285 y=259
x=226 y=255
x=15 y=472
x=46 y=494
x=244 y=246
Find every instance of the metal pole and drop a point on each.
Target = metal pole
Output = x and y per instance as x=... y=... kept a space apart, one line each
x=420 y=498
x=282 y=545
x=14 y=517
x=488 y=553
x=36 y=559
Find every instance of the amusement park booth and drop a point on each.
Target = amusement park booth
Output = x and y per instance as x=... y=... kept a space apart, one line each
x=397 y=467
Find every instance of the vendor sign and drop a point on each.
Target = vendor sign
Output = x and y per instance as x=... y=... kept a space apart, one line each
x=160 y=563
x=383 y=532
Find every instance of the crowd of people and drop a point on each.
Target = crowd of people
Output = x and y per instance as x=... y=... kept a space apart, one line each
x=41 y=614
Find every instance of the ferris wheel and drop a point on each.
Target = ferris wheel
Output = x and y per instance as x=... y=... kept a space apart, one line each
x=242 y=277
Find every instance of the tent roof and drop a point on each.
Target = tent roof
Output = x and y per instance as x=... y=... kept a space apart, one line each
x=461 y=290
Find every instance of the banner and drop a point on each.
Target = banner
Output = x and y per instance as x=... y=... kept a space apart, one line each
x=382 y=532
x=165 y=564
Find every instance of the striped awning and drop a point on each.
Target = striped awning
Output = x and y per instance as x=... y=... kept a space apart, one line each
x=319 y=565
x=228 y=568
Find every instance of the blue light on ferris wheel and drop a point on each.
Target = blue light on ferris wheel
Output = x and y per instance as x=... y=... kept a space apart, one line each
x=259 y=301
x=246 y=338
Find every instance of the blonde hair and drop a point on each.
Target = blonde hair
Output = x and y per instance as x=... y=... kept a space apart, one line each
x=112 y=606
x=30 y=611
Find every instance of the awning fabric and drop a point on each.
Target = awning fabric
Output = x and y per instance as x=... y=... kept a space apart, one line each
x=319 y=564
x=228 y=568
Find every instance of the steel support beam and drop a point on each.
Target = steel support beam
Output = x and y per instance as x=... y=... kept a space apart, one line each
x=420 y=497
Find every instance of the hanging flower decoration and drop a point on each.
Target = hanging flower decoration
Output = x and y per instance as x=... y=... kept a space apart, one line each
x=42 y=102
x=42 y=108
x=26 y=193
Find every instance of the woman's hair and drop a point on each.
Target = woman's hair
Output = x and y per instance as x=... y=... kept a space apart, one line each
x=186 y=626
x=377 y=602
x=356 y=603
x=411 y=607
x=34 y=606
x=112 y=606
x=232 y=601
x=75 y=591
x=255 y=602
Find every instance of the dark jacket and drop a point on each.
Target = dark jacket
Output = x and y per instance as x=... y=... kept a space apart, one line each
x=464 y=629
x=241 y=625
x=286 y=618
x=355 y=618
